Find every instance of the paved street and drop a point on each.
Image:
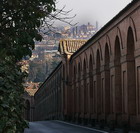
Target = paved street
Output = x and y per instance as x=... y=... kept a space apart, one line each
x=58 y=127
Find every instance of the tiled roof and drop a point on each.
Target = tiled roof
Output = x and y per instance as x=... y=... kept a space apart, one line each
x=32 y=85
x=31 y=88
x=31 y=92
x=70 y=46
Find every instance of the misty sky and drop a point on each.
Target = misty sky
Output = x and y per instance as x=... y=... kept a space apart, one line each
x=92 y=10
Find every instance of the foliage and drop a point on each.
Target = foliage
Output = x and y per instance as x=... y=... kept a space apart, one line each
x=11 y=101
x=19 y=23
x=54 y=63
x=41 y=67
x=37 y=71
x=40 y=76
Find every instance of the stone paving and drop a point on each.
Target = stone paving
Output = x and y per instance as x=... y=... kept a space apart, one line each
x=58 y=127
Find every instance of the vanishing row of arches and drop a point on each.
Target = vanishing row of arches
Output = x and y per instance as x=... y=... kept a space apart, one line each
x=106 y=95
x=27 y=110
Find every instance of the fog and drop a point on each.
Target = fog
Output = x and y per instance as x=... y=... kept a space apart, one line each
x=93 y=10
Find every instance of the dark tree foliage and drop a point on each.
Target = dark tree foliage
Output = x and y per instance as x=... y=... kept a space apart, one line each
x=19 y=23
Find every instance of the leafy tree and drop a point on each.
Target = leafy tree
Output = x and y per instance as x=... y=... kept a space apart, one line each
x=19 y=24
x=54 y=63
x=40 y=76
x=11 y=101
x=37 y=71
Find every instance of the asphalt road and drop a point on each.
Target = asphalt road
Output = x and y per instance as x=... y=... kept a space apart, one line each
x=58 y=127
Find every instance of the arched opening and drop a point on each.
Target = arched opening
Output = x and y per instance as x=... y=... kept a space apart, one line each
x=27 y=110
x=74 y=92
x=79 y=88
x=91 y=83
x=54 y=105
x=107 y=80
x=85 y=88
x=98 y=89
x=64 y=81
x=118 y=77
x=131 y=73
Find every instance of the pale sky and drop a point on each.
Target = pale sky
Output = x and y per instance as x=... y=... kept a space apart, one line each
x=93 y=10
